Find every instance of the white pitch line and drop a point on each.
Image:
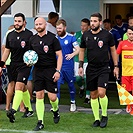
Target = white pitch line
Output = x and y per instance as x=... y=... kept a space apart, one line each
x=26 y=131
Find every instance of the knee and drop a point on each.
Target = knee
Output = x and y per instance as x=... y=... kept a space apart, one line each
x=40 y=94
x=101 y=94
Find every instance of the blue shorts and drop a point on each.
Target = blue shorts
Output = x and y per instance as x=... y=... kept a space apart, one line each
x=30 y=76
x=67 y=75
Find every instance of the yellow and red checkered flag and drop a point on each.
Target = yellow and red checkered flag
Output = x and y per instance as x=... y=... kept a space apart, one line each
x=124 y=96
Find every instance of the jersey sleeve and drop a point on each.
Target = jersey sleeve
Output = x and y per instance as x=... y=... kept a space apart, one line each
x=119 y=48
x=83 y=41
x=7 y=42
x=111 y=40
x=74 y=41
x=56 y=44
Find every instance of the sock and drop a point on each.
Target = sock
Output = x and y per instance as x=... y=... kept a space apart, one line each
x=95 y=108
x=87 y=96
x=55 y=104
x=26 y=100
x=40 y=109
x=87 y=92
x=17 y=99
x=104 y=105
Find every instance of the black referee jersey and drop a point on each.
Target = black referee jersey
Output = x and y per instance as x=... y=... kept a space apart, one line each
x=18 y=43
x=46 y=47
x=97 y=46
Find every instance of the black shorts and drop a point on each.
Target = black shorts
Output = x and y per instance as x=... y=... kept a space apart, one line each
x=97 y=77
x=43 y=79
x=20 y=72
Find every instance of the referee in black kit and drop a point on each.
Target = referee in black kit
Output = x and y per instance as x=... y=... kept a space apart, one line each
x=18 y=43
x=97 y=42
x=46 y=71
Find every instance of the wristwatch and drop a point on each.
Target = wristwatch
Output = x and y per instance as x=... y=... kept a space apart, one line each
x=116 y=66
x=58 y=71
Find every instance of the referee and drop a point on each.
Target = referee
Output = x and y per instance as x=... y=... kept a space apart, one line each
x=46 y=71
x=18 y=43
x=97 y=41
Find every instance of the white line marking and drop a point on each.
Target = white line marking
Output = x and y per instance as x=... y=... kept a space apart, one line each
x=26 y=131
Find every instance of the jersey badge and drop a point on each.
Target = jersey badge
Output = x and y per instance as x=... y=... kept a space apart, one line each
x=100 y=44
x=66 y=42
x=40 y=42
x=22 y=44
x=45 y=48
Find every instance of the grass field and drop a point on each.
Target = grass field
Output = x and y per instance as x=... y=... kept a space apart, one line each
x=78 y=122
x=69 y=123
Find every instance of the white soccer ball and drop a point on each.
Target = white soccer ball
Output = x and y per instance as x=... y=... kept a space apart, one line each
x=30 y=57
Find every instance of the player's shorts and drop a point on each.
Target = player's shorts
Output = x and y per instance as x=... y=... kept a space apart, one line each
x=67 y=75
x=31 y=75
x=127 y=82
x=43 y=79
x=9 y=73
x=97 y=77
x=20 y=72
x=76 y=68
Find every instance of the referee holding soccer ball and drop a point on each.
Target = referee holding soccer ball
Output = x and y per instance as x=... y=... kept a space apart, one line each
x=46 y=70
x=18 y=43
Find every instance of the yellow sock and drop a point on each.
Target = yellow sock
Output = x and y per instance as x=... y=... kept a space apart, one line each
x=95 y=108
x=26 y=100
x=104 y=105
x=55 y=104
x=17 y=99
x=40 y=108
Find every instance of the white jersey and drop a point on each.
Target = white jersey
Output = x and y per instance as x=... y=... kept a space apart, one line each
x=51 y=28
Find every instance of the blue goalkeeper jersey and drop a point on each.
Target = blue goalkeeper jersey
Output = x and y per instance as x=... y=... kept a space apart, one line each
x=67 y=43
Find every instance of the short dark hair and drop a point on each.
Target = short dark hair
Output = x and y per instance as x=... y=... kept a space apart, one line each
x=53 y=15
x=86 y=20
x=20 y=15
x=130 y=27
x=97 y=15
x=107 y=21
x=118 y=16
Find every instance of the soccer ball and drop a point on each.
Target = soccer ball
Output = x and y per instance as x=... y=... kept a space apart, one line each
x=30 y=57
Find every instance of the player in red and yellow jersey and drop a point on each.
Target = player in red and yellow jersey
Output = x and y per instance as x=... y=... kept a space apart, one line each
x=126 y=48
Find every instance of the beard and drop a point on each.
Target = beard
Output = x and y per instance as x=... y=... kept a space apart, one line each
x=39 y=30
x=61 y=33
x=18 y=27
x=95 y=28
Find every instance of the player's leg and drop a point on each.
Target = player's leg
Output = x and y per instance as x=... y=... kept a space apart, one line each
x=69 y=78
x=40 y=108
x=9 y=94
x=92 y=87
x=16 y=101
x=87 y=96
x=39 y=86
x=127 y=83
x=10 y=88
x=30 y=84
x=55 y=109
x=102 y=86
x=79 y=80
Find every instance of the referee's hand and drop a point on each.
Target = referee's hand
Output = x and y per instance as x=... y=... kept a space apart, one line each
x=56 y=76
